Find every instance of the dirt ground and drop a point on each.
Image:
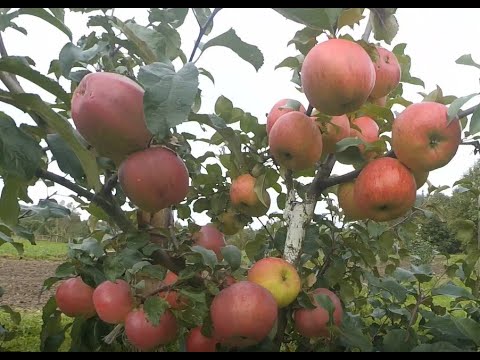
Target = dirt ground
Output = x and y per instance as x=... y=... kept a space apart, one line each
x=22 y=282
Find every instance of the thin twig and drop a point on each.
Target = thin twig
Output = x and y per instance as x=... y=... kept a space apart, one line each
x=203 y=29
x=110 y=184
x=368 y=29
x=266 y=229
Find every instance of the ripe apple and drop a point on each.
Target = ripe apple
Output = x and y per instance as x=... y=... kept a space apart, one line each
x=210 y=238
x=244 y=197
x=296 y=141
x=229 y=222
x=420 y=178
x=107 y=110
x=380 y=101
x=369 y=132
x=385 y=189
x=197 y=342
x=243 y=314
x=154 y=178
x=74 y=298
x=337 y=129
x=277 y=276
x=113 y=301
x=313 y=323
x=144 y=336
x=174 y=299
x=277 y=111
x=387 y=73
x=337 y=76
x=422 y=139
x=347 y=202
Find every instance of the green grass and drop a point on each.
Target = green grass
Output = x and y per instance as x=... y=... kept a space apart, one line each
x=43 y=250
x=27 y=333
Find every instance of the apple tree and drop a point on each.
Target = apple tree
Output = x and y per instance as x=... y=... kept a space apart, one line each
x=149 y=277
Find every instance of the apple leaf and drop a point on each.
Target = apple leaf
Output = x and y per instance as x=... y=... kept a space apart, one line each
x=173 y=16
x=474 y=127
x=292 y=62
x=255 y=247
x=391 y=341
x=315 y=18
x=45 y=15
x=260 y=190
x=325 y=302
x=202 y=71
x=376 y=111
x=169 y=96
x=440 y=346
x=354 y=337
x=453 y=290
x=468 y=327
x=14 y=315
x=304 y=40
x=350 y=17
x=208 y=256
x=202 y=15
x=66 y=159
x=71 y=54
x=467 y=60
x=249 y=53
x=456 y=105
x=154 y=308
x=384 y=23
x=9 y=207
x=291 y=104
x=232 y=256
x=464 y=230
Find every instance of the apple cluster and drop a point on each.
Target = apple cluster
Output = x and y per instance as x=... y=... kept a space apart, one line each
x=338 y=78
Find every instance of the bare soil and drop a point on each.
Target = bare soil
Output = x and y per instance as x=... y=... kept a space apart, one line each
x=22 y=282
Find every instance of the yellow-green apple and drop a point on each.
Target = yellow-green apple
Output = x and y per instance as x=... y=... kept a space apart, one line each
x=423 y=138
x=420 y=178
x=107 y=110
x=387 y=73
x=197 y=342
x=245 y=199
x=210 y=238
x=296 y=141
x=243 y=314
x=313 y=323
x=347 y=202
x=75 y=298
x=369 y=133
x=229 y=223
x=145 y=336
x=113 y=300
x=337 y=76
x=277 y=276
x=385 y=189
x=279 y=109
x=174 y=299
x=338 y=128
x=154 y=179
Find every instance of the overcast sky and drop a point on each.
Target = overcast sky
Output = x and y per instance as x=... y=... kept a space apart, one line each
x=435 y=39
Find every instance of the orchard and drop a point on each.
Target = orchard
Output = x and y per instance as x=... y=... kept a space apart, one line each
x=151 y=277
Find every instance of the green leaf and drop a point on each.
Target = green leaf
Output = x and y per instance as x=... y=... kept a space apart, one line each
x=202 y=71
x=354 y=337
x=20 y=154
x=253 y=247
x=14 y=315
x=223 y=107
x=66 y=159
x=66 y=131
x=154 y=308
x=71 y=54
x=280 y=238
x=422 y=273
x=65 y=270
x=59 y=13
x=208 y=256
x=325 y=302
x=232 y=256
x=350 y=17
x=169 y=96
x=375 y=111
x=467 y=60
x=173 y=16
x=311 y=243
x=440 y=346
x=18 y=65
x=260 y=190
x=247 y=52
x=402 y=274
x=90 y=246
x=48 y=208
x=202 y=15
x=384 y=24
x=315 y=18
x=394 y=341
x=453 y=290
x=44 y=15
x=456 y=105
x=343 y=144
x=290 y=62
x=474 y=127
x=9 y=207
x=464 y=229
x=304 y=40
x=468 y=327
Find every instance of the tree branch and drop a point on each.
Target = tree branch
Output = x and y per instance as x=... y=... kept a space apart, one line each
x=203 y=29
x=322 y=175
x=368 y=29
x=469 y=111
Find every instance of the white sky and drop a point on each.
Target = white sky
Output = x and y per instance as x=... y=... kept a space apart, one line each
x=431 y=44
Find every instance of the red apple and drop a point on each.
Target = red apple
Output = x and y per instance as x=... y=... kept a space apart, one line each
x=174 y=299
x=243 y=314
x=244 y=197
x=338 y=128
x=154 y=178
x=385 y=189
x=368 y=133
x=337 y=76
x=74 y=298
x=144 y=336
x=380 y=101
x=388 y=73
x=422 y=137
x=278 y=111
x=210 y=238
x=313 y=323
x=107 y=110
x=113 y=301
x=295 y=141
x=277 y=276
x=197 y=342
x=347 y=203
